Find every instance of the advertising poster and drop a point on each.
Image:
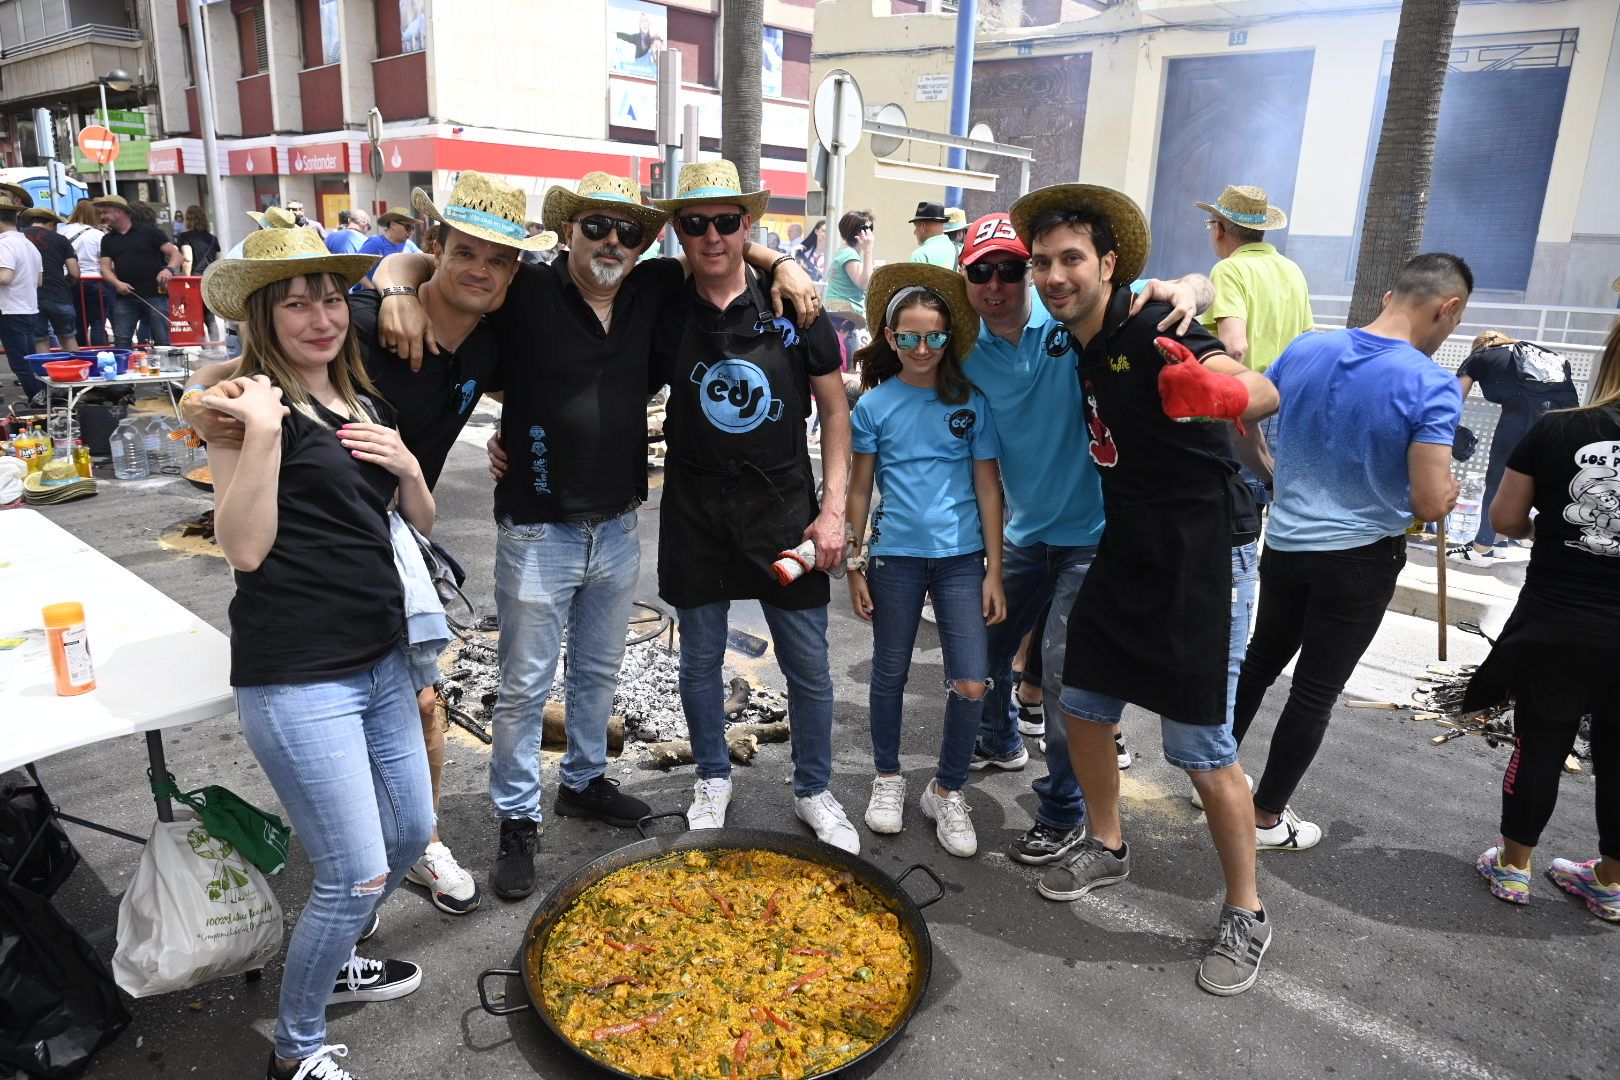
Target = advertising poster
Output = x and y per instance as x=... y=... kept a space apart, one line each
x=637 y=32
x=770 y=63
x=412 y=25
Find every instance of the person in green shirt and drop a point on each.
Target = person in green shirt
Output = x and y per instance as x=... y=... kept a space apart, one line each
x=933 y=246
x=851 y=265
x=1261 y=300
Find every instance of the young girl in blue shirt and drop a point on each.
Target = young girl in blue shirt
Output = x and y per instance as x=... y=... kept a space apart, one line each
x=924 y=434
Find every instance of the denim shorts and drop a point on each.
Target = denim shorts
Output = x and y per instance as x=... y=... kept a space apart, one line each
x=1193 y=747
x=423 y=663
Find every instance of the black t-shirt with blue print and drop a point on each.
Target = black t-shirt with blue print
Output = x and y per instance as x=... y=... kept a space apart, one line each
x=433 y=405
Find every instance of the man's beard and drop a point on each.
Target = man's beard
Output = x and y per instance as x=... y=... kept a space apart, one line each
x=606 y=272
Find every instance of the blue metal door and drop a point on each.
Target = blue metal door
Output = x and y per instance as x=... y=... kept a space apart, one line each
x=1227 y=120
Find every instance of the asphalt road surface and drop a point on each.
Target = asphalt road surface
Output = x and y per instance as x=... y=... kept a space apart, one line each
x=1390 y=957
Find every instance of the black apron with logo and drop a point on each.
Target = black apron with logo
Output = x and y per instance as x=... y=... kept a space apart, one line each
x=738 y=489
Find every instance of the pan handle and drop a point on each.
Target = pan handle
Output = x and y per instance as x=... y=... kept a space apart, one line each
x=483 y=994
x=938 y=884
x=641 y=826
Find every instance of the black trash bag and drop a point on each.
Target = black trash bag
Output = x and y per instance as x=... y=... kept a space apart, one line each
x=58 y=1003
x=39 y=866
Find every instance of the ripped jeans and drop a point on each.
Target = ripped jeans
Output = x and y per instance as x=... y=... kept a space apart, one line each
x=898 y=584
x=348 y=763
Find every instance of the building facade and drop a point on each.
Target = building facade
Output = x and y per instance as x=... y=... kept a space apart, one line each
x=1171 y=100
x=537 y=91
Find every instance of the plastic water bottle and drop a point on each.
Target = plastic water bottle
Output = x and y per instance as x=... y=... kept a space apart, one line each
x=1463 y=522
x=128 y=446
x=106 y=365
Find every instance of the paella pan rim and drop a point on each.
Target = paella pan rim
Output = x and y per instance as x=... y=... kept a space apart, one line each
x=886 y=888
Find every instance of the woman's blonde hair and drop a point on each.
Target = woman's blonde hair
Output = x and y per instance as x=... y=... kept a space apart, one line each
x=1605 y=386
x=85 y=213
x=1486 y=338
x=262 y=353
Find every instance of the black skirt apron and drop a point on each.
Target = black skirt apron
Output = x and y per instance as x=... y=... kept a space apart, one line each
x=738 y=489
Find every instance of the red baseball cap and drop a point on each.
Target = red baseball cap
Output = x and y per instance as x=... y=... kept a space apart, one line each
x=993 y=232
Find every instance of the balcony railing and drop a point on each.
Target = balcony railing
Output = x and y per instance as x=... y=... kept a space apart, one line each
x=73 y=37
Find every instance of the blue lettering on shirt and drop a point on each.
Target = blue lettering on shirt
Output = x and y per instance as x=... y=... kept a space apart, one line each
x=735 y=396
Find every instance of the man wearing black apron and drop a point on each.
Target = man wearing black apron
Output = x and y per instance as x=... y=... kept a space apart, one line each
x=738 y=491
x=1152 y=624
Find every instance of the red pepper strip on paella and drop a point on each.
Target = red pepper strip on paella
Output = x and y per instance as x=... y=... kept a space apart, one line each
x=798 y=983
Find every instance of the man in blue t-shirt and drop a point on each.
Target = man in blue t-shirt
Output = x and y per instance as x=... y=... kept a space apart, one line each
x=1369 y=419
x=1025 y=369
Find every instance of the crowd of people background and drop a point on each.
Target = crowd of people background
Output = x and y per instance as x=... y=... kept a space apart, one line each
x=1075 y=477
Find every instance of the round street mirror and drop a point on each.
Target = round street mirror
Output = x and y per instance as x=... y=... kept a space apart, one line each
x=885 y=145
x=977 y=160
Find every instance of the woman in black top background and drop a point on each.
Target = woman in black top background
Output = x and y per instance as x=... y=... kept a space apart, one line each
x=1561 y=646
x=200 y=248
x=322 y=689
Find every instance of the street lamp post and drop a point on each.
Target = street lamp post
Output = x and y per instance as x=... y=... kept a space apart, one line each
x=119 y=80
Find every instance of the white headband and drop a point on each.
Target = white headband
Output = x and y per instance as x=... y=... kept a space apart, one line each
x=902 y=294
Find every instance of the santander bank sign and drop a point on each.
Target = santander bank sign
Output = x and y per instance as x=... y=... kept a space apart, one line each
x=319 y=158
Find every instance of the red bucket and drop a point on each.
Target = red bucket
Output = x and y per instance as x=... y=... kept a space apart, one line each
x=187 y=325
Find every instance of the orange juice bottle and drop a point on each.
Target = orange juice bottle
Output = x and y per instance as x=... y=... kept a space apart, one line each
x=70 y=649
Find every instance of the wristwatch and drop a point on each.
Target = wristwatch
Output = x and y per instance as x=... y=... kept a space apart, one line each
x=397 y=290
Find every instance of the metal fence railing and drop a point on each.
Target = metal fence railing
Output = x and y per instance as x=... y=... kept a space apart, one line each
x=1544 y=324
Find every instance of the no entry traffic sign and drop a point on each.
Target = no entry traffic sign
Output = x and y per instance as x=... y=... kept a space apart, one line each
x=99 y=144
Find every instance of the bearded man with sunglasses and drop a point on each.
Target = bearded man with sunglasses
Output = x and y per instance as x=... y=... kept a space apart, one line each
x=1023 y=365
x=577 y=339
x=738 y=491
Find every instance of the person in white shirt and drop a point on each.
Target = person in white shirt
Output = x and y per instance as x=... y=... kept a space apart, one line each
x=83 y=231
x=20 y=268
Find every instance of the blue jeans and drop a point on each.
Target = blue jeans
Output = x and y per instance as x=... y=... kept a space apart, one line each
x=347 y=761
x=1513 y=426
x=1033 y=576
x=898 y=584
x=800 y=641
x=548 y=574
x=151 y=312
x=60 y=317
x=1193 y=747
x=17 y=338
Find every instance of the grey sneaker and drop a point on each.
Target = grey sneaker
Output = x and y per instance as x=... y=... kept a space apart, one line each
x=1090 y=867
x=1043 y=843
x=1011 y=761
x=1233 y=962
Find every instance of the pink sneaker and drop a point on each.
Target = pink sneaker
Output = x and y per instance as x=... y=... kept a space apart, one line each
x=1507 y=882
x=1580 y=879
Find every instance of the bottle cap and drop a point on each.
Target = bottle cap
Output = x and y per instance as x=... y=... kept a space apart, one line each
x=66 y=614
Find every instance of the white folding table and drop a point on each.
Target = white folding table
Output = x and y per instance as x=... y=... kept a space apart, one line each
x=157 y=665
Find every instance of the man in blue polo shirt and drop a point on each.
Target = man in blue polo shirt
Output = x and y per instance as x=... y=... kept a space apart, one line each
x=1025 y=368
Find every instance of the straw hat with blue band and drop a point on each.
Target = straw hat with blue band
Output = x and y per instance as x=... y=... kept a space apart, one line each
x=271 y=255
x=599 y=191
x=487 y=208
x=1246 y=206
x=705 y=182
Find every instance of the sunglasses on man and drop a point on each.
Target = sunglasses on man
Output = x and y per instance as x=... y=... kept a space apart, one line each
x=695 y=225
x=598 y=226
x=1011 y=271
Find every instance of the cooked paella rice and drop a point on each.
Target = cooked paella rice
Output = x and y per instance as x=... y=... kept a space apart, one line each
x=726 y=964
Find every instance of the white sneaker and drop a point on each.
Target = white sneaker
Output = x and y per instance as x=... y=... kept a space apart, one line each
x=451 y=888
x=885 y=810
x=1198 y=802
x=1289 y=834
x=709 y=801
x=320 y=1066
x=1120 y=752
x=952 y=825
x=823 y=813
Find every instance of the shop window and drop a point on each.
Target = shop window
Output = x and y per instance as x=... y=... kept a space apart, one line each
x=401 y=27
x=693 y=34
x=255 y=50
x=319 y=32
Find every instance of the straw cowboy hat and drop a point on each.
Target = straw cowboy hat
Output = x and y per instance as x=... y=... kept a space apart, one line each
x=273 y=218
x=487 y=208
x=275 y=254
x=1246 y=206
x=892 y=277
x=393 y=214
x=599 y=191
x=117 y=201
x=41 y=213
x=57 y=482
x=17 y=196
x=713 y=182
x=1131 y=237
x=955 y=219
x=847 y=311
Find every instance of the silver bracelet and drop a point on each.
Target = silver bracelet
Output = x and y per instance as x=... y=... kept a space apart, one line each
x=398 y=290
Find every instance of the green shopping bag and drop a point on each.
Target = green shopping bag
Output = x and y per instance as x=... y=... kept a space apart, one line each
x=259 y=836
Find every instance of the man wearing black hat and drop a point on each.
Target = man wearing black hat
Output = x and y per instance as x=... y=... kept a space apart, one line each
x=933 y=246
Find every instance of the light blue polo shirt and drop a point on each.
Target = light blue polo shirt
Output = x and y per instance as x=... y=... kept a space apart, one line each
x=925 y=453
x=1034 y=394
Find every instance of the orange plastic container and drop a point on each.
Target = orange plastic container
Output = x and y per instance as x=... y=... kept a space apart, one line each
x=70 y=649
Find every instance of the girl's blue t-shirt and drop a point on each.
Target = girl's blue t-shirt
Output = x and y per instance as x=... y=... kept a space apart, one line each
x=925 y=453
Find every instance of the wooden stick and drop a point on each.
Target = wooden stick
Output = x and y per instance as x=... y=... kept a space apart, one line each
x=1440 y=580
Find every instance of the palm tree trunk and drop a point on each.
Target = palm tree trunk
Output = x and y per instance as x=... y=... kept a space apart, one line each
x=741 y=97
x=1398 y=195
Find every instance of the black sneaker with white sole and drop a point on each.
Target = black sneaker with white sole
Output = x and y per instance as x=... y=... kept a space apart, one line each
x=318 y=1066
x=374 y=980
x=602 y=801
x=372 y=926
x=1012 y=760
x=1043 y=843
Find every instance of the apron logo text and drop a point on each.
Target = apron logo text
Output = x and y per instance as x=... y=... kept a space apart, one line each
x=736 y=396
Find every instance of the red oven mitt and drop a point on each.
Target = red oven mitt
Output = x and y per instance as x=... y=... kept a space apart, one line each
x=1192 y=392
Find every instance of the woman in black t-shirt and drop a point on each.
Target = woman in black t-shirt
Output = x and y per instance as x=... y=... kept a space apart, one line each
x=322 y=689
x=1559 y=650
x=200 y=248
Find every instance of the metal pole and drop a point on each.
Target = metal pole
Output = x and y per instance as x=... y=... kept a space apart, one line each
x=108 y=187
x=967 y=19
x=834 y=194
x=223 y=226
x=1023 y=178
